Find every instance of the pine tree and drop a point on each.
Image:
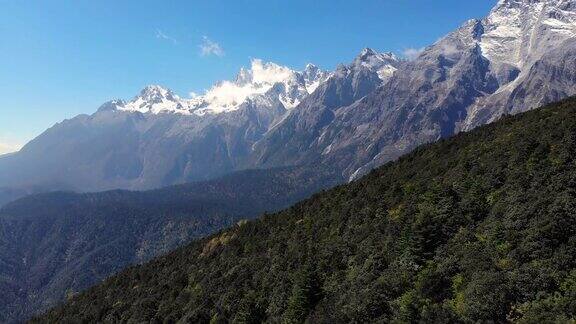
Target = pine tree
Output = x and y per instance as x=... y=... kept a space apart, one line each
x=305 y=294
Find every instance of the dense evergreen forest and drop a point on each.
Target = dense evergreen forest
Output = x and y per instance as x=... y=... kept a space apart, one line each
x=57 y=244
x=477 y=228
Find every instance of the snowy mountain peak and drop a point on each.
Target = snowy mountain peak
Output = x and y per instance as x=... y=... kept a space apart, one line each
x=385 y=64
x=313 y=77
x=156 y=93
x=264 y=73
x=312 y=71
x=275 y=84
x=368 y=54
x=152 y=90
x=152 y=99
x=515 y=34
x=112 y=105
x=310 y=66
x=518 y=3
x=518 y=32
x=264 y=80
x=270 y=73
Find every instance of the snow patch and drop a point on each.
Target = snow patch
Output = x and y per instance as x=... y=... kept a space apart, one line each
x=518 y=32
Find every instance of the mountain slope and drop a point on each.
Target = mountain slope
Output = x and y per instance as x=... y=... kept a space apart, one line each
x=518 y=58
x=55 y=245
x=291 y=141
x=476 y=228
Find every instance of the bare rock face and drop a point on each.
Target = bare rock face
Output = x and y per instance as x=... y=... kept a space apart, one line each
x=518 y=58
x=293 y=141
x=549 y=79
x=523 y=40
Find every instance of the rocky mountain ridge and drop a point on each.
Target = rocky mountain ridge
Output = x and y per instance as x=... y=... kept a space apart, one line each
x=264 y=82
x=518 y=58
x=159 y=139
x=355 y=118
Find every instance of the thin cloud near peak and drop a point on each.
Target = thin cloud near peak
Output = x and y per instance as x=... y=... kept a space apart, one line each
x=9 y=147
x=209 y=47
x=412 y=53
x=161 y=35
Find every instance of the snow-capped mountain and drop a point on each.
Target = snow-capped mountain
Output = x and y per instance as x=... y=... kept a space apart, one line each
x=292 y=141
x=385 y=64
x=521 y=56
x=263 y=81
x=153 y=99
x=159 y=138
x=519 y=32
x=526 y=41
x=363 y=114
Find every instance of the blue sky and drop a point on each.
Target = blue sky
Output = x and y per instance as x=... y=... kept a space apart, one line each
x=62 y=58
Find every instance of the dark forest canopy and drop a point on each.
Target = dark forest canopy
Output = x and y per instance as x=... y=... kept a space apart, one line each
x=479 y=227
x=55 y=245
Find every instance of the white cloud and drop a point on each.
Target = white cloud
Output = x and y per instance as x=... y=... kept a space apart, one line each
x=227 y=95
x=6 y=147
x=161 y=35
x=412 y=53
x=209 y=47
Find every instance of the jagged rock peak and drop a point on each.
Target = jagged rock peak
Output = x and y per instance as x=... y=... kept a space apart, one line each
x=112 y=105
x=367 y=53
x=385 y=64
x=265 y=80
x=157 y=93
x=517 y=32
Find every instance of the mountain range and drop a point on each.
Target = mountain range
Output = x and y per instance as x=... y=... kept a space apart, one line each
x=516 y=59
x=355 y=118
x=159 y=139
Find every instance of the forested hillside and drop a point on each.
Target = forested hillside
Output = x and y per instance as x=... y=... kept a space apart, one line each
x=477 y=228
x=55 y=245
